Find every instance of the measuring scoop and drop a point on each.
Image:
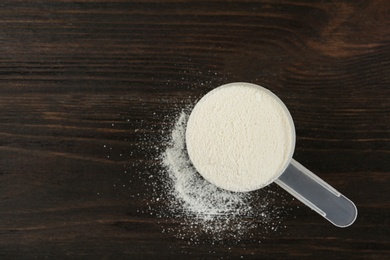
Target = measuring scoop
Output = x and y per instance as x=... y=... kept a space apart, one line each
x=212 y=110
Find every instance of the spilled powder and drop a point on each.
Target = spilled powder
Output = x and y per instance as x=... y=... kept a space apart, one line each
x=177 y=197
x=204 y=211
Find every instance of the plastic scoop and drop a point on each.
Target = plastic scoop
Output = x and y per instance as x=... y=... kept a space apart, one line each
x=317 y=194
x=228 y=105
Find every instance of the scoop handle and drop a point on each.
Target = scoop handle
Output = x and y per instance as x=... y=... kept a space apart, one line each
x=318 y=195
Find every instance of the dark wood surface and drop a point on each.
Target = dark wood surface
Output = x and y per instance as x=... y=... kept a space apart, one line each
x=86 y=88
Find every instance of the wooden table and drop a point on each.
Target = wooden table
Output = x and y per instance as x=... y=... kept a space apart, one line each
x=88 y=90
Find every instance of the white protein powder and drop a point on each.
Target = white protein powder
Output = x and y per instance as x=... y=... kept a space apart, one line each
x=240 y=137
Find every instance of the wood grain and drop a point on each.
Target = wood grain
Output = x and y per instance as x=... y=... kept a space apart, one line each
x=87 y=89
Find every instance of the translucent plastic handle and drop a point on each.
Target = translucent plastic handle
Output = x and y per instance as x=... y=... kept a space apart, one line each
x=318 y=195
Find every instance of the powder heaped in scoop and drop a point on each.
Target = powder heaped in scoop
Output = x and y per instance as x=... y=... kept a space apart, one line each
x=240 y=137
